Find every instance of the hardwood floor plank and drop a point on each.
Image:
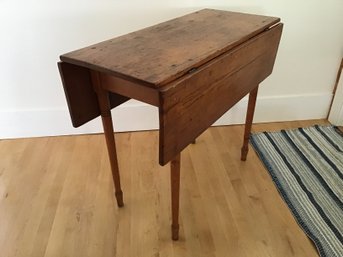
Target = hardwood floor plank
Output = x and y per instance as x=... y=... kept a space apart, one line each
x=57 y=199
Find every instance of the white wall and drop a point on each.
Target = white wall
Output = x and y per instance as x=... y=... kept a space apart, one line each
x=35 y=32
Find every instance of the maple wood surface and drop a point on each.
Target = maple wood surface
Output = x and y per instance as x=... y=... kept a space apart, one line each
x=56 y=199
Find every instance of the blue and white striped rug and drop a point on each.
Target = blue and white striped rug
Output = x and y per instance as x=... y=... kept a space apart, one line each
x=306 y=164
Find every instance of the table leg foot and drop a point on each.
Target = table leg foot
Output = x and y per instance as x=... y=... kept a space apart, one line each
x=119 y=197
x=244 y=153
x=175 y=232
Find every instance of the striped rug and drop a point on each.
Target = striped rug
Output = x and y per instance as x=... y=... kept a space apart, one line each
x=306 y=165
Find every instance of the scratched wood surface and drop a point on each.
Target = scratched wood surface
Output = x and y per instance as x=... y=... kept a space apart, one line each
x=159 y=54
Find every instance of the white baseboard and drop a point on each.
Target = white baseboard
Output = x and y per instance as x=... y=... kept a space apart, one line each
x=134 y=116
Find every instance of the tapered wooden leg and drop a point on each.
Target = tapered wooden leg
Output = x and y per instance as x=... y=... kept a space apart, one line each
x=175 y=193
x=105 y=109
x=248 y=122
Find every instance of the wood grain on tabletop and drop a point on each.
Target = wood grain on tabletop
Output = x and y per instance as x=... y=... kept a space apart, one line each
x=57 y=199
x=162 y=47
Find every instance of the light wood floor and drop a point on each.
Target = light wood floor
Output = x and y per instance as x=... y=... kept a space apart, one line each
x=56 y=199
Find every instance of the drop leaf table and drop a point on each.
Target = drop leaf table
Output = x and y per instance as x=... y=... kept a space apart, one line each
x=193 y=68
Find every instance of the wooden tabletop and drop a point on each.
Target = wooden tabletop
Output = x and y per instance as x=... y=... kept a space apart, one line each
x=157 y=55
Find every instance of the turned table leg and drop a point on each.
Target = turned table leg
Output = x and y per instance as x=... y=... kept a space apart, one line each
x=175 y=193
x=248 y=122
x=105 y=109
